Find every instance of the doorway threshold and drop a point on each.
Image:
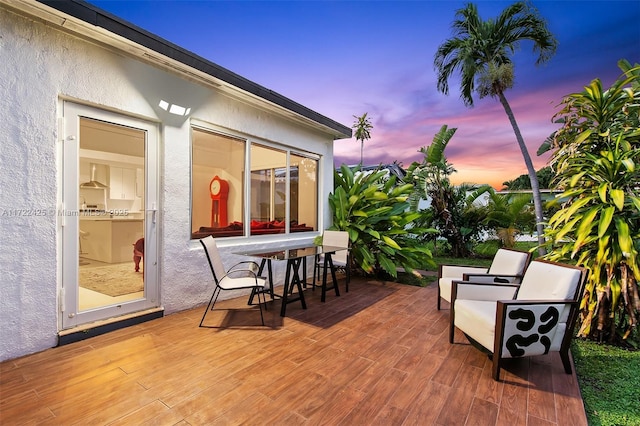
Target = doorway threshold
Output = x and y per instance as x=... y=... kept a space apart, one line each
x=97 y=328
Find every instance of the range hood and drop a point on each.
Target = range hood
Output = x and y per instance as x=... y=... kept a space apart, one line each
x=93 y=183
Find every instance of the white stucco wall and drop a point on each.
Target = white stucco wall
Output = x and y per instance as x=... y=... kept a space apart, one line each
x=41 y=65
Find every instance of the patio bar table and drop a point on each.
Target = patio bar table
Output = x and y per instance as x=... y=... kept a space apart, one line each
x=295 y=257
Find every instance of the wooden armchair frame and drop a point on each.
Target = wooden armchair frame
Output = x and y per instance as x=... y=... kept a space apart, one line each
x=521 y=326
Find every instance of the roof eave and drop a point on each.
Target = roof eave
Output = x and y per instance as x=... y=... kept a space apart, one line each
x=146 y=44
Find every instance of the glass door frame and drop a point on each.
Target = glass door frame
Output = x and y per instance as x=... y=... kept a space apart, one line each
x=70 y=314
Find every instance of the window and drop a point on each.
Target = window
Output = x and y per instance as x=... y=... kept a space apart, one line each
x=268 y=193
x=281 y=188
x=220 y=157
x=303 y=172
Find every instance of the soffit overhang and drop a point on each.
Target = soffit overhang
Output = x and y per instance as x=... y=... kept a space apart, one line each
x=96 y=25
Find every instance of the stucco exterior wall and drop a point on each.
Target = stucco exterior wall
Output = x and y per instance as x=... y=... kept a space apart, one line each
x=41 y=65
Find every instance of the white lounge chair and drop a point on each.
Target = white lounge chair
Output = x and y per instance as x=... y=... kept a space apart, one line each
x=507 y=266
x=510 y=320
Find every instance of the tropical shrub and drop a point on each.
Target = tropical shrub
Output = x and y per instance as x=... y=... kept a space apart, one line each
x=453 y=211
x=545 y=176
x=597 y=163
x=510 y=215
x=424 y=221
x=374 y=209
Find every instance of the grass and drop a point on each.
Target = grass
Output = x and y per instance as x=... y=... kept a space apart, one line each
x=411 y=279
x=609 y=379
x=472 y=261
x=484 y=259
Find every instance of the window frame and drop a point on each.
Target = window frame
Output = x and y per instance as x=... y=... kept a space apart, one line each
x=249 y=142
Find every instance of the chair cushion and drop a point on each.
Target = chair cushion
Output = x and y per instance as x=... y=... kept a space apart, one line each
x=477 y=319
x=508 y=262
x=445 y=287
x=486 y=292
x=453 y=272
x=545 y=281
x=228 y=283
x=338 y=258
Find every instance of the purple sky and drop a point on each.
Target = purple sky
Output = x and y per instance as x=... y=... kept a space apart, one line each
x=345 y=58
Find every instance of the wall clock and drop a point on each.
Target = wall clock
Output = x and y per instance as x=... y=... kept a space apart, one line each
x=219 y=189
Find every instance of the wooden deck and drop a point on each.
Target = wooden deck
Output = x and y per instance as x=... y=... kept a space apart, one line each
x=376 y=355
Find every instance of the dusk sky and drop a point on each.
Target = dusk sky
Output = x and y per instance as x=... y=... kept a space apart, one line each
x=345 y=58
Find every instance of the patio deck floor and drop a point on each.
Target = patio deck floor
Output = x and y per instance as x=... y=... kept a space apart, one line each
x=376 y=355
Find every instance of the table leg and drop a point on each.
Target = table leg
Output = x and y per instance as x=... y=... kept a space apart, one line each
x=333 y=275
x=292 y=277
x=285 y=292
x=298 y=282
x=264 y=262
x=304 y=271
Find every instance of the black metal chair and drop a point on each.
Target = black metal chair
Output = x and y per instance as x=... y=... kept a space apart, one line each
x=242 y=275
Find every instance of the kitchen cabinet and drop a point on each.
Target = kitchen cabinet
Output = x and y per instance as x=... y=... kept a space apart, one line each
x=140 y=183
x=122 y=183
x=110 y=240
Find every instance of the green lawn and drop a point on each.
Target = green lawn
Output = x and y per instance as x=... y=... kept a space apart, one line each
x=609 y=379
x=471 y=261
x=411 y=279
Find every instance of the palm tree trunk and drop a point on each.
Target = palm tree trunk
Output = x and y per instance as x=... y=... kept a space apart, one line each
x=535 y=187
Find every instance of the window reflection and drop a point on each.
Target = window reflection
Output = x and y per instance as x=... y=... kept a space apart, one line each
x=216 y=155
x=282 y=188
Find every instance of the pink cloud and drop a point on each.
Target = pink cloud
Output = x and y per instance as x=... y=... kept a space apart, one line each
x=484 y=148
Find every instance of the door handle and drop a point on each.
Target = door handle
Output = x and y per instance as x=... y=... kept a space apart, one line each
x=153 y=210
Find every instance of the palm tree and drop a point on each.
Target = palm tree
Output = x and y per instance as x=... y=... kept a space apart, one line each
x=481 y=51
x=363 y=128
